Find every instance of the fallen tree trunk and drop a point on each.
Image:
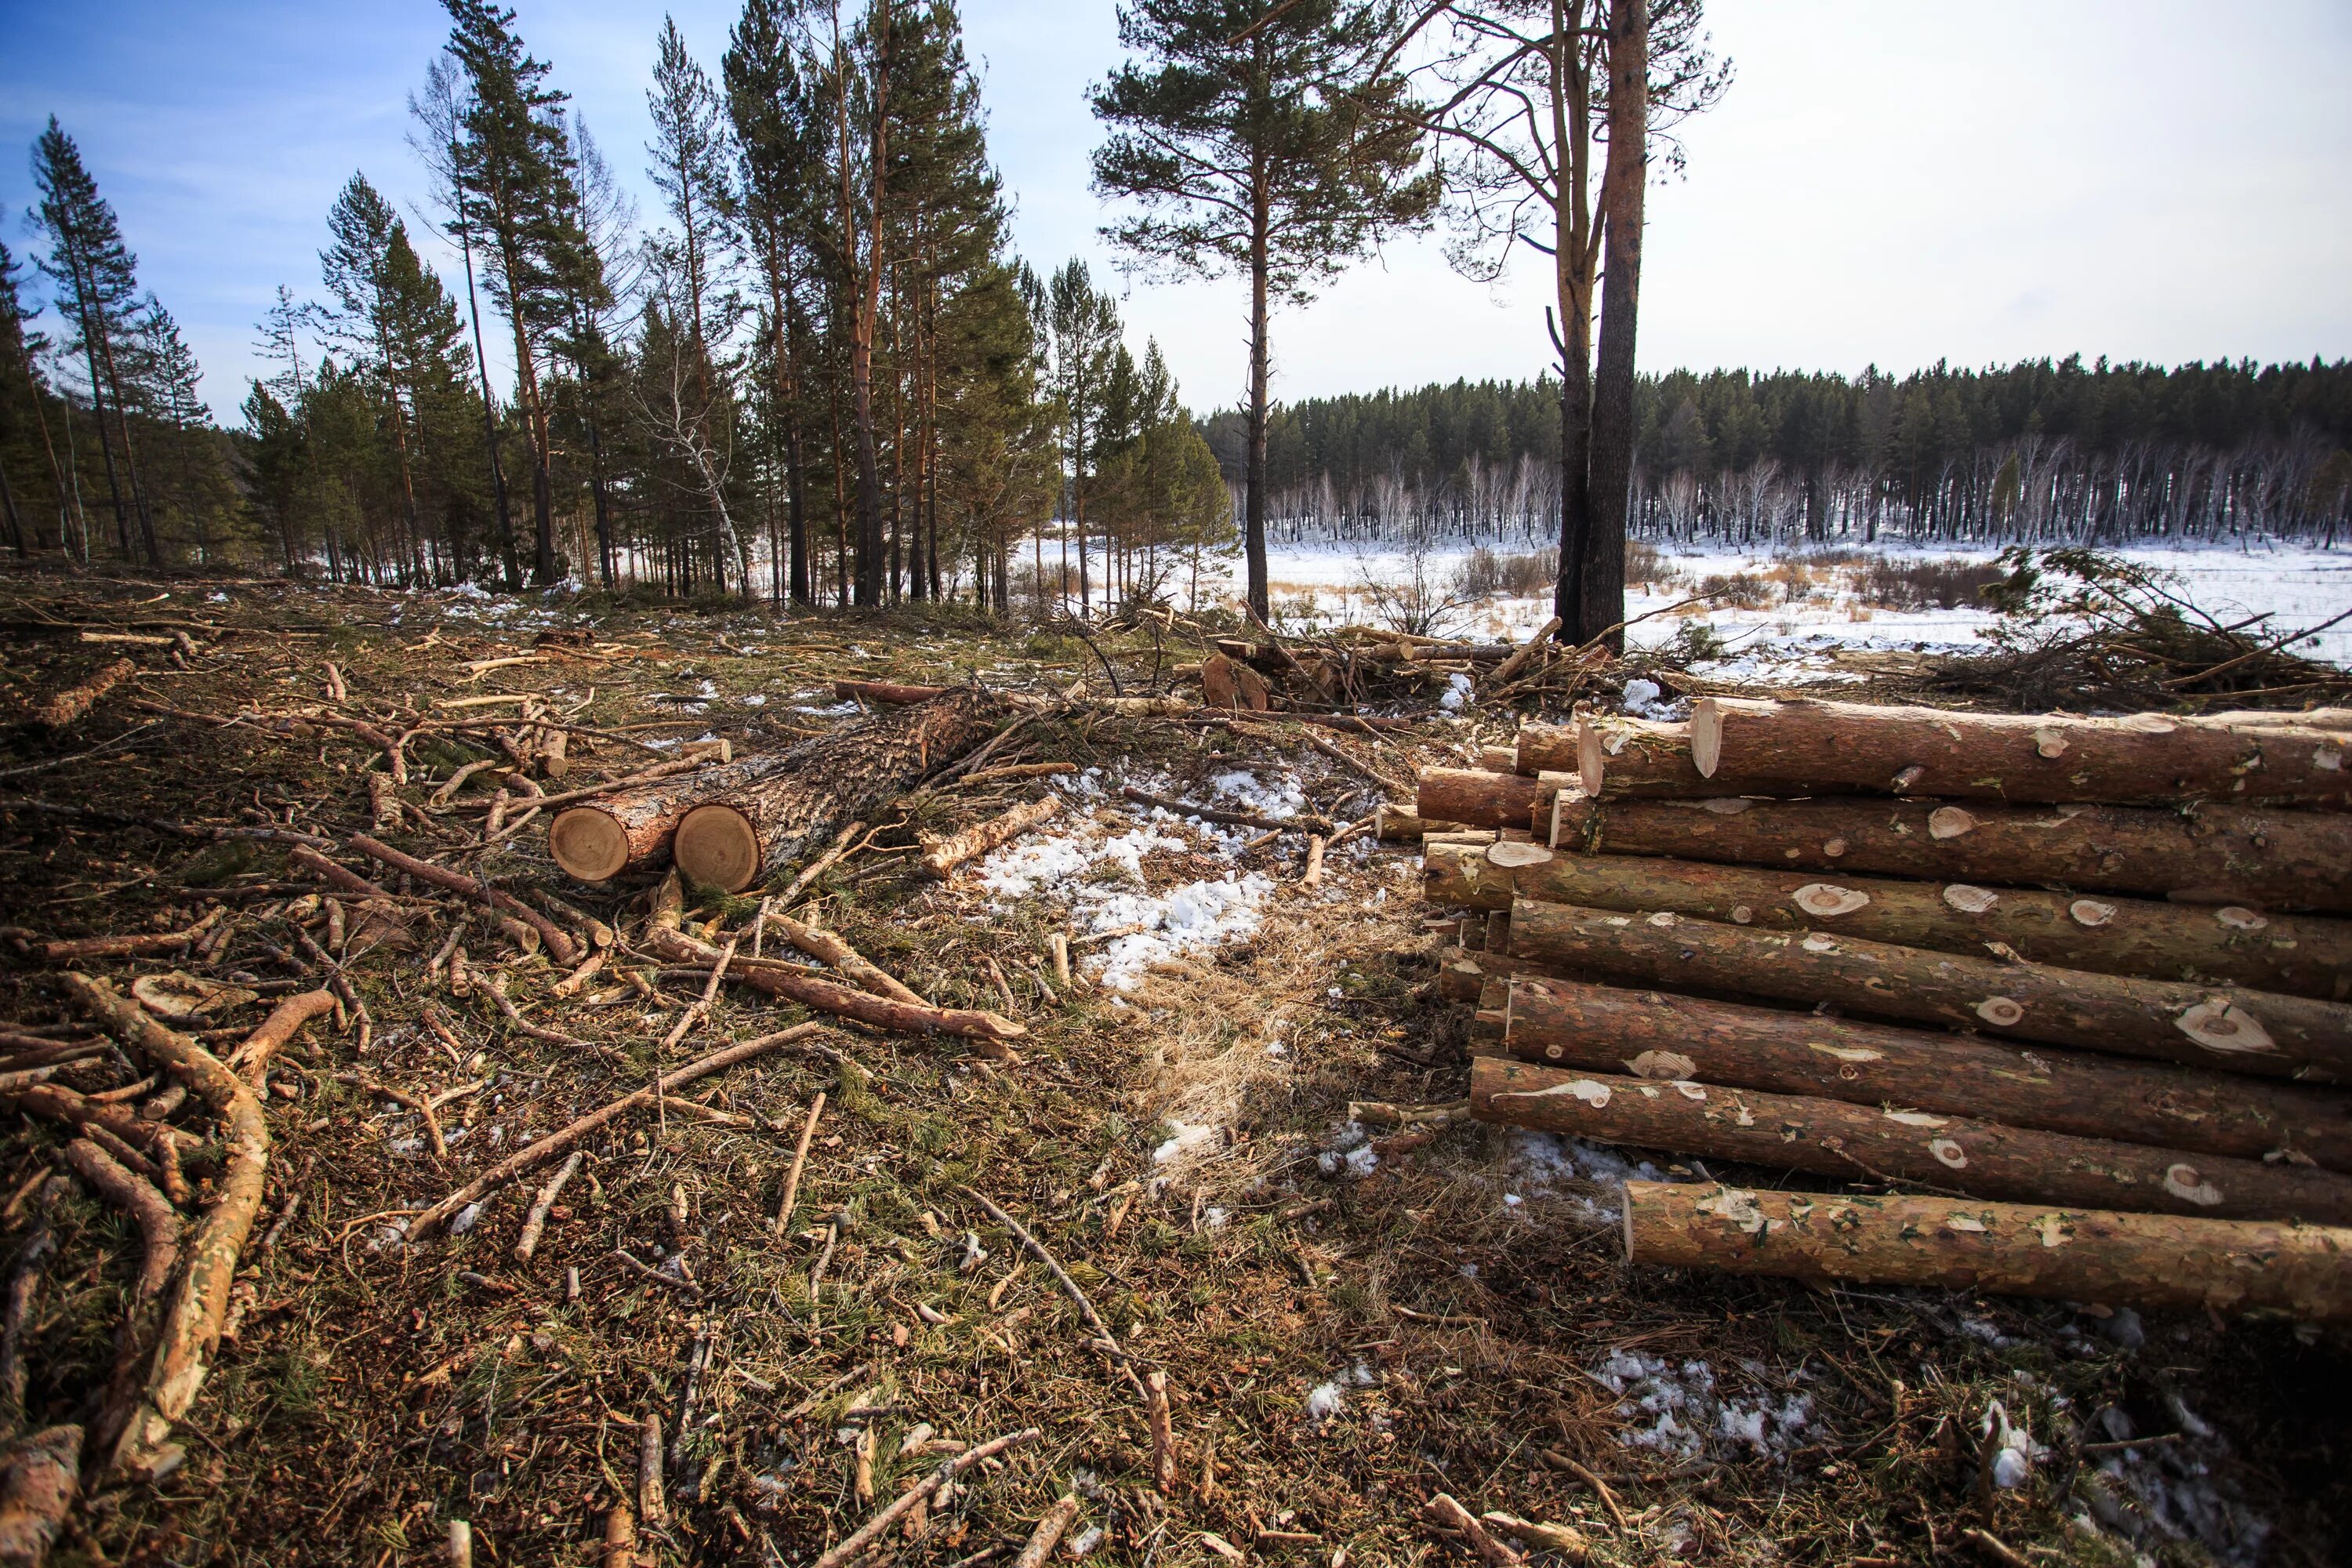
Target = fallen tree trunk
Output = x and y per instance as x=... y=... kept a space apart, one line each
x=765 y=812
x=664 y=940
x=1476 y=797
x=2238 y=1031
x=2011 y=1249
x=942 y=856
x=192 y=1321
x=2301 y=955
x=75 y=701
x=622 y=834
x=2214 y=854
x=1780 y=748
x=1857 y=1143
x=1652 y=1035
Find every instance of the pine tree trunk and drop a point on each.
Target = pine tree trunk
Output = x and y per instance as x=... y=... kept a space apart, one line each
x=2010 y=1250
x=2216 y=853
x=1254 y=500
x=2238 y=1031
x=1479 y=798
x=1602 y=602
x=1856 y=1142
x=2303 y=955
x=1795 y=748
x=1654 y=1035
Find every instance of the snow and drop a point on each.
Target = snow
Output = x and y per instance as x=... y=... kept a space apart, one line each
x=1687 y=1417
x=2300 y=585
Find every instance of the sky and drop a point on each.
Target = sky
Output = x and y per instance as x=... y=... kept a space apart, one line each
x=1887 y=181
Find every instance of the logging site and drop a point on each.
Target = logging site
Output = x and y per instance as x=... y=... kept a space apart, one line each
x=1008 y=788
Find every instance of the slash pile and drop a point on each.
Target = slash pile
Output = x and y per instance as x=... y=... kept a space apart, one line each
x=2080 y=982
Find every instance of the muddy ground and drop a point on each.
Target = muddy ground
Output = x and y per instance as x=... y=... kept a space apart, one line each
x=1351 y=1320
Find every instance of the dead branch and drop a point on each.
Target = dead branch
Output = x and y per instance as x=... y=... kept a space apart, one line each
x=1106 y=1341
x=535 y=1222
x=942 y=856
x=832 y=948
x=75 y=701
x=560 y=945
x=1442 y=1510
x=800 y=1163
x=252 y=1058
x=84 y=949
x=1305 y=822
x=158 y=1221
x=861 y=1539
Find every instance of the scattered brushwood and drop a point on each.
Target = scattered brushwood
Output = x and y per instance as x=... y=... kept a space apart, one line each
x=2083 y=630
x=1345 y=667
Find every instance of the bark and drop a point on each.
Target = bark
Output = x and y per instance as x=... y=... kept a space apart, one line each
x=664 y=939
x=942 y=856
x=1619 y=756
x=2237 y=1031
x=1566 y=1023
x=2011 y=1249
x=1624 y=184
x=1463 y=972
x=1476 y=797
x=765 y=812
x=39 y=1479
x=134 y=1194
x=1858 y=1142
x=75 y=701
x=2302 y=955
x=1394 y=824
x=2214 y=853
x=886 y=693
x=192 y=1321
x=1782 y=748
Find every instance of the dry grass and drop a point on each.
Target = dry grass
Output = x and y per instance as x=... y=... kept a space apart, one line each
x=376 y=1390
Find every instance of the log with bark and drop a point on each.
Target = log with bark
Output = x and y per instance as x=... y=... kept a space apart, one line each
x=1478 y=798
x=886 y=693
x=2235 y=1030
x=2011 y=1249
x=1858 y=1142
x=1655 y=1035
x=769 y=810
x=1616 y=755
x=1746 y=746
x=1545 y=749
x=1463 y=972
x=2303 y=955
x=942 y=855
x=624 y=833
x=2212 y=854
x=1398 y=825
x=78 y=699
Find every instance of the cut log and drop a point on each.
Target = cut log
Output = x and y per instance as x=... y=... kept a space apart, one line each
x=1747 y=746
x=75 y=701
x=886 y=693
x=2303 y=955
x=2237 y=1031
x=1463 y=972
x=764 y=812
x=2214 y=854
x=1569 y=1024
x=628 y=833
x=1476 y=797
x=2011 y=1249
x=1858 y=1142
x=1397 y=824
x=1545 y=749
x=1616 y=755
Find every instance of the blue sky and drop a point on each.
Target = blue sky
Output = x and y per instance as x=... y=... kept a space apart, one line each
x=1889 y=181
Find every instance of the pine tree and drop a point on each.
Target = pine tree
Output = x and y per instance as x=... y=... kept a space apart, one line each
x=593 y=287
x=1085 y=329
x=1263 y=138
x=87 y=257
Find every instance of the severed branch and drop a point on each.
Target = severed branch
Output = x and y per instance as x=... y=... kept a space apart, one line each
x=252 y=1058
x=535 y=1222
x=942 y=856
x=83 y=950
x=158 y=1221
x=1109 y=1343
x=560 y=945
x=862 y=1539
x=832 y=948
x=1306 y=822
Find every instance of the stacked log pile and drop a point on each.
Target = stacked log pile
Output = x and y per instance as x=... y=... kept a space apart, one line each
x=2086 y=983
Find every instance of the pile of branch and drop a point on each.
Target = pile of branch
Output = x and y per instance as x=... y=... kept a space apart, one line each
x=2092 y=963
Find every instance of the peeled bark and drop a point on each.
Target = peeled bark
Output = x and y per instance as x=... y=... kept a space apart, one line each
x=2237 y=1031
x=75 y=701
x=942 y=856
x=2302 y=955
x=1780 y=748
x=1654 y=1035
x=1857 y=1143
x=766 y=811
x=1476 y=797
x=2214 y=854
x=2008 y=1249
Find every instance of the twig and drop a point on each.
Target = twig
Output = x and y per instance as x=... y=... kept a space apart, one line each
x=800 y=1161
x=560 y=945
x=1306 y=822
x=1038 y=1249
x=862 y=1538
x=535 y=1222
x=1048 y=1534
x=693 y=1015
x=535 y=1154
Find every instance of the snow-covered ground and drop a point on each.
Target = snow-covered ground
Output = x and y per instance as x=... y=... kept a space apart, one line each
x=2298 y=586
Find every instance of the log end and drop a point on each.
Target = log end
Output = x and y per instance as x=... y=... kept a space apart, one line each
x=717 y=847
x=588 y=843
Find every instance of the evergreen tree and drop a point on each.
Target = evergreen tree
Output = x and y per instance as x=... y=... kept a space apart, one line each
x=87 y=259
x=1084 y=345
x=1262 y=137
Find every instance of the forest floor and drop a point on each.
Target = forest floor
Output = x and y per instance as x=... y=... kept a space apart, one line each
x=1350 y=1321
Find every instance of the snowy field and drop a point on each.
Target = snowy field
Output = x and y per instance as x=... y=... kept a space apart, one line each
x=1803 y=639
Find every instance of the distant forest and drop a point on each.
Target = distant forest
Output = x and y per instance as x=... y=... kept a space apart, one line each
x=2060 y=452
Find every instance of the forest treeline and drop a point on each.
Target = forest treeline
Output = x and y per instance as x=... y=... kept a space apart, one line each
x=2041 y=451
x=820 y=371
